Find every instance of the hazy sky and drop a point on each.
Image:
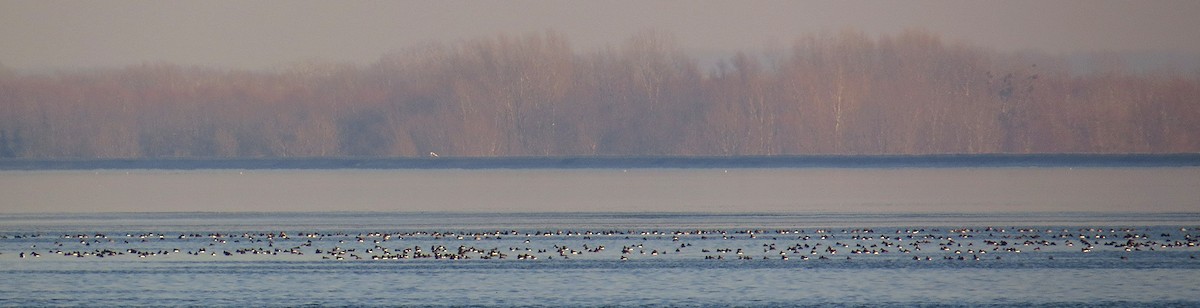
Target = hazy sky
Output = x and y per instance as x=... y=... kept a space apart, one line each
x=261 y=34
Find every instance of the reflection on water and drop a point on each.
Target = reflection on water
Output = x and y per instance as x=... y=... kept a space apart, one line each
x=800 y=190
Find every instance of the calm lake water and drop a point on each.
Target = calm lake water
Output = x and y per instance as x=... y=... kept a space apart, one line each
x=602 y=237
x=782 y=190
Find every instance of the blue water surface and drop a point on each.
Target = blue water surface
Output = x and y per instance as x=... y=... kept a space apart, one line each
x=273 y=259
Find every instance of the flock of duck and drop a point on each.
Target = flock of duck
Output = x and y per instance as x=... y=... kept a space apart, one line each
x=918 y=244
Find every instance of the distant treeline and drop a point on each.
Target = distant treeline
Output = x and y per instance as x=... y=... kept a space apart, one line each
x=533 y=95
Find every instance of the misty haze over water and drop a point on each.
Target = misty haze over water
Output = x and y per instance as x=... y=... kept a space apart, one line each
x=798 y=190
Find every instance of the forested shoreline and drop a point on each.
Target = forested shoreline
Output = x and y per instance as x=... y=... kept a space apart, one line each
x=534 y=95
